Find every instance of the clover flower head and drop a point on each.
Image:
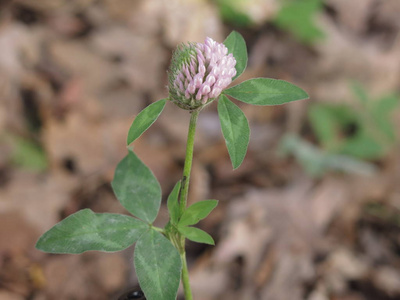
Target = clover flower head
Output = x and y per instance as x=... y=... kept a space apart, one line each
x=199 y=72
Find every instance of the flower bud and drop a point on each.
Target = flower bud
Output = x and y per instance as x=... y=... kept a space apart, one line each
x=199 y=73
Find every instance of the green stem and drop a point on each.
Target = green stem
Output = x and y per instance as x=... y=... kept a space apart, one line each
x=183 y=199
x=158 y=229
x=188 y=160
x=185 y=278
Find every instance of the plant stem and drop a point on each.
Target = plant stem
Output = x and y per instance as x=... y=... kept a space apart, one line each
x=183 y=199
x=185 y=278
x=188 y=160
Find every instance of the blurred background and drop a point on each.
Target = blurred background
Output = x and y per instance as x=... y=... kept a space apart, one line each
x=314 y=211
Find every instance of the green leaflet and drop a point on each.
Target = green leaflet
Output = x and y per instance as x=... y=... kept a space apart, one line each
x=173 y=204
x=237 y=46
x=136 y=188
x=158 y=266
x=235 y=129
x=196 y=212
x=196 y=235
x=145 y=119
x=86 y=230
x=266 y=91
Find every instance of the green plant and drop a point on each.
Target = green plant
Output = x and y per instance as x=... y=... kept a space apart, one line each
x=199 y=75
x=297 y=17
x=347 y=135
x=233 y=12
x=364 y=131
x=26 y=153
x=316 y=162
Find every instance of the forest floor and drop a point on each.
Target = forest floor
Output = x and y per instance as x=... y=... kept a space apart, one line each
x=73 y=75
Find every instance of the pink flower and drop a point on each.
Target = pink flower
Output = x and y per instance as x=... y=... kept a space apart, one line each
x=199 y=73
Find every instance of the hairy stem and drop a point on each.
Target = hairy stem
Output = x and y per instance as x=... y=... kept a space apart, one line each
x=188 y=160
x=183 y=199
x=185 y=278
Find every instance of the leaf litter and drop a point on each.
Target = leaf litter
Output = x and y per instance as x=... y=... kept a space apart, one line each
x=91 y=66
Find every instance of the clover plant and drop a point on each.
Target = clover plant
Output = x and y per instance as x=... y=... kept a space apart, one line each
x=200 y=73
